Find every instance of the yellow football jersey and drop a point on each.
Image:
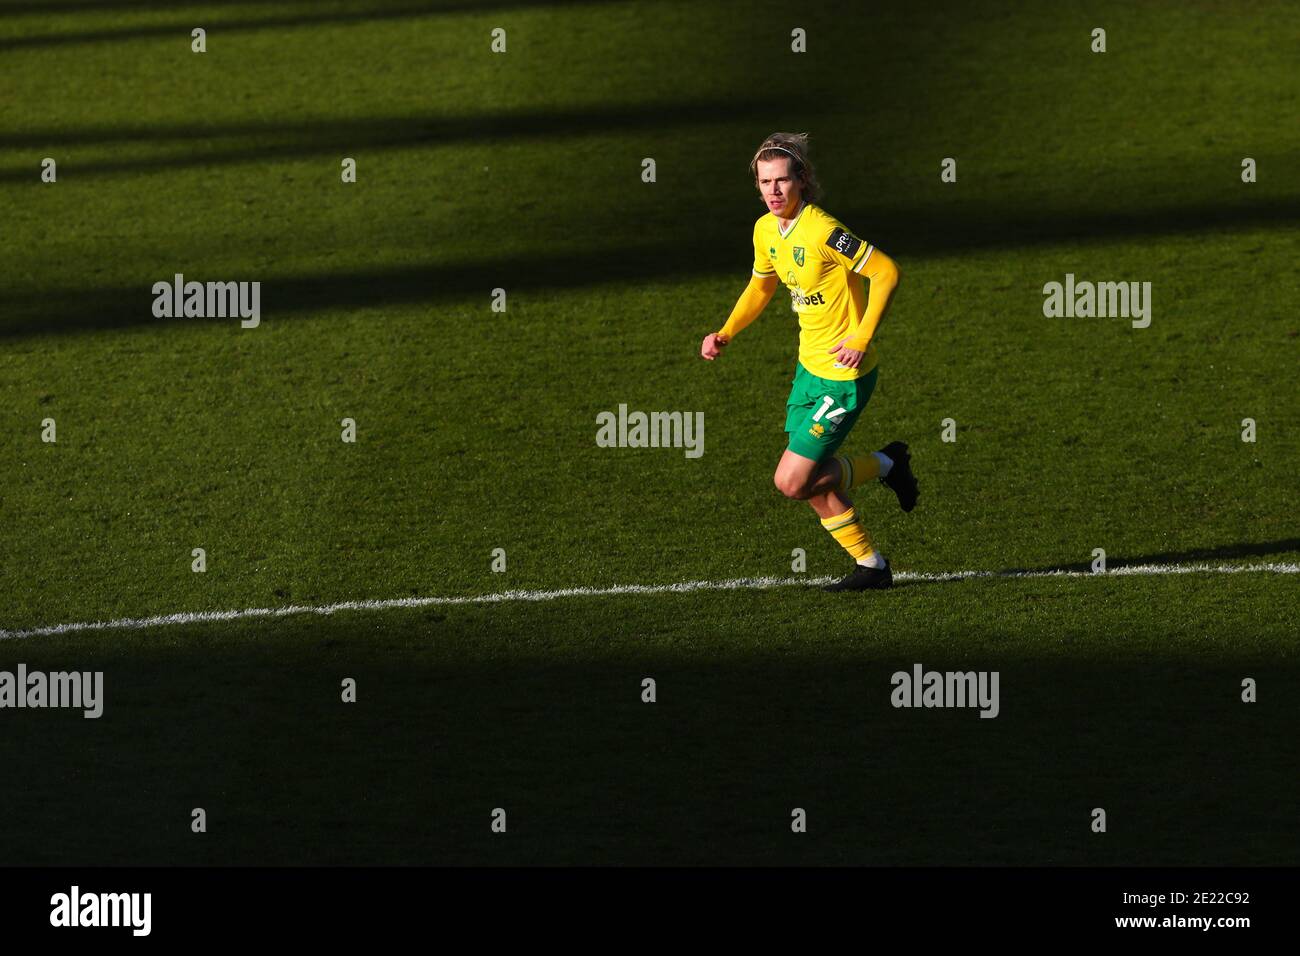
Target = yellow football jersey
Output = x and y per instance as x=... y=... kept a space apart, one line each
x=820 y=261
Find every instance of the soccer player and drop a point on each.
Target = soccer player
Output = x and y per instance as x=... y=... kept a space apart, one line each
x=824 y=265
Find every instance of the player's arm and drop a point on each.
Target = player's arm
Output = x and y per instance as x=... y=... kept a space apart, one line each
x=752 y=302
x=749 y=306
x=864 y=259
x=882 y=275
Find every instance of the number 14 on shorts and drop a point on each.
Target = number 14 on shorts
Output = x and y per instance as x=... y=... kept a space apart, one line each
x=835 y=416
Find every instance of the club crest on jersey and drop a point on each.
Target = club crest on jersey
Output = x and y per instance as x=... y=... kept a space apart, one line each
x=798 y=255
x=845 y=243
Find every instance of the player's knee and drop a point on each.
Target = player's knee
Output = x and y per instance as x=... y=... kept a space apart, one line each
x=791 y=486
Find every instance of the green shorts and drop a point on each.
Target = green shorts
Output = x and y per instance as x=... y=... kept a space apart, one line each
x=821 y=412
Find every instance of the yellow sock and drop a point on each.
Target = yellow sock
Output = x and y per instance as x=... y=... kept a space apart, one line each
x=848 y=531
x=855 y=470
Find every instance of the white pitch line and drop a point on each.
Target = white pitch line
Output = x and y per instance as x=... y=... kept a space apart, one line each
x=736 y=584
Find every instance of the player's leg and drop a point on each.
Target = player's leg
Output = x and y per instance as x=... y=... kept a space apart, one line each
x=795 y=474
x=843 y=472
x=892 y=465
x=802 y=477
x=819 y=415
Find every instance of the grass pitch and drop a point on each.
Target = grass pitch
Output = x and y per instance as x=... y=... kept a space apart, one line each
x=476 y=431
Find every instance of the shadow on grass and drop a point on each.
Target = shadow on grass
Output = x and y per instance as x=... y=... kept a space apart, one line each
x=709 y=249
x=1260 y=549
x=267 y=141
x=453 y=720
x=1255 y=549
x=304 y=16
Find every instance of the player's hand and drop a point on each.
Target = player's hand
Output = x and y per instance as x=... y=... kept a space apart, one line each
x=849 y=358
x=712 y=346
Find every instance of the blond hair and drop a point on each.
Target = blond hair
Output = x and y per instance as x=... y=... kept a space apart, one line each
x=793 y=146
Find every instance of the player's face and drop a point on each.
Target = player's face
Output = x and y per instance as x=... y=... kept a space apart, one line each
x=780 y=190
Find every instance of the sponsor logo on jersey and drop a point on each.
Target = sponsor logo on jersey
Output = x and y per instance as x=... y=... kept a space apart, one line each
x=798 y=298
